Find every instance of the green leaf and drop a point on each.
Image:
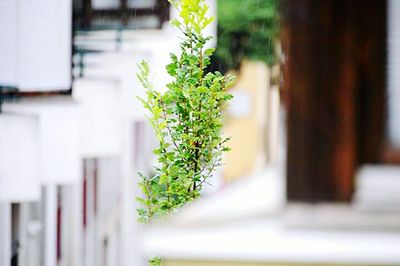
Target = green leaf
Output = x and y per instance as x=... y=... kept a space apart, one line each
x=209 y=51
x=175 y=22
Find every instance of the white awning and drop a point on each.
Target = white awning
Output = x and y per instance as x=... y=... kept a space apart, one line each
x=59 y=160
x=100 y=119
x=19 y=158
x=36 y=44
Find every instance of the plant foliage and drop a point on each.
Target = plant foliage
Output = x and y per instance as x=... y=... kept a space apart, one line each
x=156 y=261
x=247 y=29
x=187 y=118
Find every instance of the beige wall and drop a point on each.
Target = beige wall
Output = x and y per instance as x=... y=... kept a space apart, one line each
x=210 y=263
x=251 y=134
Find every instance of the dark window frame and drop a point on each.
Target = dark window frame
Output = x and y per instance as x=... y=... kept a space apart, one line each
x=87 y=14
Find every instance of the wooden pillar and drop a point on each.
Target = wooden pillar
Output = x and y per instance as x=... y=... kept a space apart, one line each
x=335 y=89
x=321 y=79
x=372 y=54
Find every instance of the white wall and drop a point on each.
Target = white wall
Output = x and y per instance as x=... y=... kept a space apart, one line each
x=393 y=72
x=5 y=234
x=58 y=136
x=19 y=164
x=37 y=44
x=100 y=118
x=8 y=44
x=103 y=121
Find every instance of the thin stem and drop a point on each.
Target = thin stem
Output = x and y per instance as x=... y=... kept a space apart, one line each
x=174 y=141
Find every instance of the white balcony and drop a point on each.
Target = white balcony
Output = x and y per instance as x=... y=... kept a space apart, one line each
x=59 y=160
x=100 y=119
x=19 y=179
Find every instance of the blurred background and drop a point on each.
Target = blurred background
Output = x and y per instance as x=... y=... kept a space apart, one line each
x=313 y=177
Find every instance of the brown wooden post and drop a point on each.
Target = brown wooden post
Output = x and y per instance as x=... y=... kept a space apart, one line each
x=321 y=82
x=372 y=93
x=335 y=94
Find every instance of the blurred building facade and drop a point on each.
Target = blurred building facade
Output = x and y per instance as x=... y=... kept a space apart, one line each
x=73 y=137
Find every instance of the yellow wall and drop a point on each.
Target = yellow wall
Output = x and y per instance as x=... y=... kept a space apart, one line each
x=210 y=263
x=248 y=134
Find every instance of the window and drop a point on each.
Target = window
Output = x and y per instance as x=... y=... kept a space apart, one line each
x=105 y=14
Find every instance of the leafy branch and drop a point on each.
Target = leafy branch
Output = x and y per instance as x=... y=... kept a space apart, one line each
x=187 y=118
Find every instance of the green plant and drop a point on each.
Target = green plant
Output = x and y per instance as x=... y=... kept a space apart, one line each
x=156 y=261
x=187 y=118
x=247 y=29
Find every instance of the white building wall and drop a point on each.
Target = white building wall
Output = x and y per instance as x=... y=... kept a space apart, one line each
x=393 y=72
x=74 y=250
x=19 y=171
x=102 y=121
x=37 y=44
x=5 y=234
x=120 y=67
x=8 y=45
x=58 y=136
x=50 y=226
